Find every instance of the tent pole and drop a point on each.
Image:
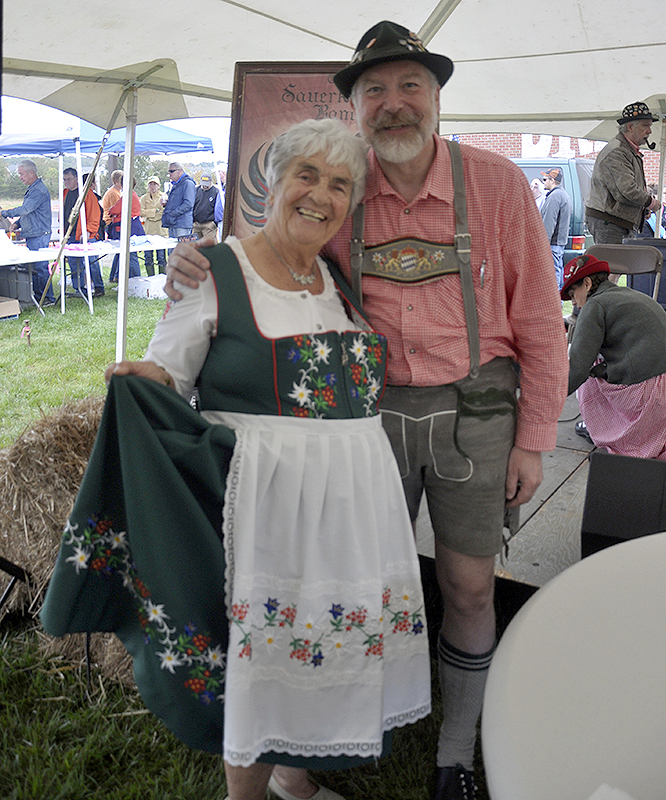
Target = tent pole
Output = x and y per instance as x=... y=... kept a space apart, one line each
x=84 y=225
x=658 y=227
x=126 y=222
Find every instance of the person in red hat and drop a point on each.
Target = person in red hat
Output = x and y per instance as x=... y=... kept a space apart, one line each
x=617 y=361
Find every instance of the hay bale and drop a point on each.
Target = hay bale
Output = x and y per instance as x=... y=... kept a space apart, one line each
x=107 y=654
x=40 y=475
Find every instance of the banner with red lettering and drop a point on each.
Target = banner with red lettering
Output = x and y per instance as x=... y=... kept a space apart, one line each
x=268 y=98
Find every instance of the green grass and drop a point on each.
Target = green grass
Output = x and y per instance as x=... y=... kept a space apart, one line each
x=66 y=357
x=57 y=742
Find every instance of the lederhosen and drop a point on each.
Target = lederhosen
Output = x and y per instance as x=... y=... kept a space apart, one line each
x=414 y=260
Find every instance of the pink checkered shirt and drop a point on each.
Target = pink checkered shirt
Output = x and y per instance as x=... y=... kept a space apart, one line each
x=518 y=304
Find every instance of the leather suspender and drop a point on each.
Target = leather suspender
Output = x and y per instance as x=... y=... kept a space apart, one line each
x=357 y=248
x=462 y=243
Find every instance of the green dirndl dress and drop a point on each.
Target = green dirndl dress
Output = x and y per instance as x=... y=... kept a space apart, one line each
x=265 y=608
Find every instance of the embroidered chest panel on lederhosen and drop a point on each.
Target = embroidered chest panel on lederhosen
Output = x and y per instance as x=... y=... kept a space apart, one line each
x=410 y=260
x=417 y=260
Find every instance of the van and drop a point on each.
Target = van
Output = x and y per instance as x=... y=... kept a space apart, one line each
x=577 y=174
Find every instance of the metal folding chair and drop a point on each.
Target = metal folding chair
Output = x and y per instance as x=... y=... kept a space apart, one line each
x=633 y=259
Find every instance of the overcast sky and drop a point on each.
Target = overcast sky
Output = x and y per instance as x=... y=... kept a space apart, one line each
x=25 y=117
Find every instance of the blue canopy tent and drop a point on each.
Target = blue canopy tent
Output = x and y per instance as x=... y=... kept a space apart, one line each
x=152 y=138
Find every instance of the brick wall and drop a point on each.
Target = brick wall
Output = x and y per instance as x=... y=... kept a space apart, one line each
x=518 y=145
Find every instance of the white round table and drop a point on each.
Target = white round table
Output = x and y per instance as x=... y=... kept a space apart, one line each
x=576 y=693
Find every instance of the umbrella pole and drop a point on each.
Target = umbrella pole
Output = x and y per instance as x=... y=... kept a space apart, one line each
x=125 y=223
x=662 y=161
x=61 y=228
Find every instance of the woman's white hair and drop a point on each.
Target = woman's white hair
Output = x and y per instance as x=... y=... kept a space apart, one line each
x=326 y=136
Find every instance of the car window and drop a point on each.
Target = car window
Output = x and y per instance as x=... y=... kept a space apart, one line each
x=584 y=170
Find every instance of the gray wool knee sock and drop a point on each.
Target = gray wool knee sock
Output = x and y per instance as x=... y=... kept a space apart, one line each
x=462 y=677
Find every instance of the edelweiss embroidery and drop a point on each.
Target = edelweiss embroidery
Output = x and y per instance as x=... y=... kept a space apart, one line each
x=319 y=387
x=345 y=628
x=100 y=549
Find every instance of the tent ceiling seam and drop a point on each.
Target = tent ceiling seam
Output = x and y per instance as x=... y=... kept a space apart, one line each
x=284 y=22
x=611 y=49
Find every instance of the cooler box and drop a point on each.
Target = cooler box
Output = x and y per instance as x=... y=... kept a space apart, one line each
x=16 y=282
x=9 y=308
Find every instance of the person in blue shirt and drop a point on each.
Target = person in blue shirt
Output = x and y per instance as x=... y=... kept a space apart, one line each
x=556 y=215
x=34 y=222
x=177 y=215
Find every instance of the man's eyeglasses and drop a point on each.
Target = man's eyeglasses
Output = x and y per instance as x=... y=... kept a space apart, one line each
x=172 y=170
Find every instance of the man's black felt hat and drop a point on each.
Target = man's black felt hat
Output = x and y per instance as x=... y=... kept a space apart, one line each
x=388 y=41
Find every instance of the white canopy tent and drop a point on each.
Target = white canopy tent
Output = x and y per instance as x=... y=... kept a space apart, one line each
x=539 y=64
x=541 y=67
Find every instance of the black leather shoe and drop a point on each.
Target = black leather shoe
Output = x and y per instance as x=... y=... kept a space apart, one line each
x=581 y=430
x=454 y=783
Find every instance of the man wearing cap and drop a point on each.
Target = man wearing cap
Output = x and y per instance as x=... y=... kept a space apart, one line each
x=151 y=215
x=619 y=199
x=204 y=207
x=177 y=214
x=556 y=215
x=462 y=283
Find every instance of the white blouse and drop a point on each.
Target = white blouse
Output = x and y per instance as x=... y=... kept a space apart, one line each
x=182 y=337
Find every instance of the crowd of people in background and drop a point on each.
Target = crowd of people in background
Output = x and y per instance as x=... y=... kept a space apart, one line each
x=181 y=211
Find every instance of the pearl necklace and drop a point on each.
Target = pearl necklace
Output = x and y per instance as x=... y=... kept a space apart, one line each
x=304 y=280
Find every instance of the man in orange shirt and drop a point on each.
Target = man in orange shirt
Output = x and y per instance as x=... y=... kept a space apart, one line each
x=112 y=194
x=93 y=215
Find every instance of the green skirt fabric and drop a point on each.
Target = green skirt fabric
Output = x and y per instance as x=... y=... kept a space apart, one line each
x=142 y=557
x=141 y=554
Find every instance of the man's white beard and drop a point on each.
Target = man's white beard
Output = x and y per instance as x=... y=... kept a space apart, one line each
x=400 y=150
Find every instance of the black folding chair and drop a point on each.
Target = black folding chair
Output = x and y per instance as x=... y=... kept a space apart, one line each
x=625 y=498
x=16 y=573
